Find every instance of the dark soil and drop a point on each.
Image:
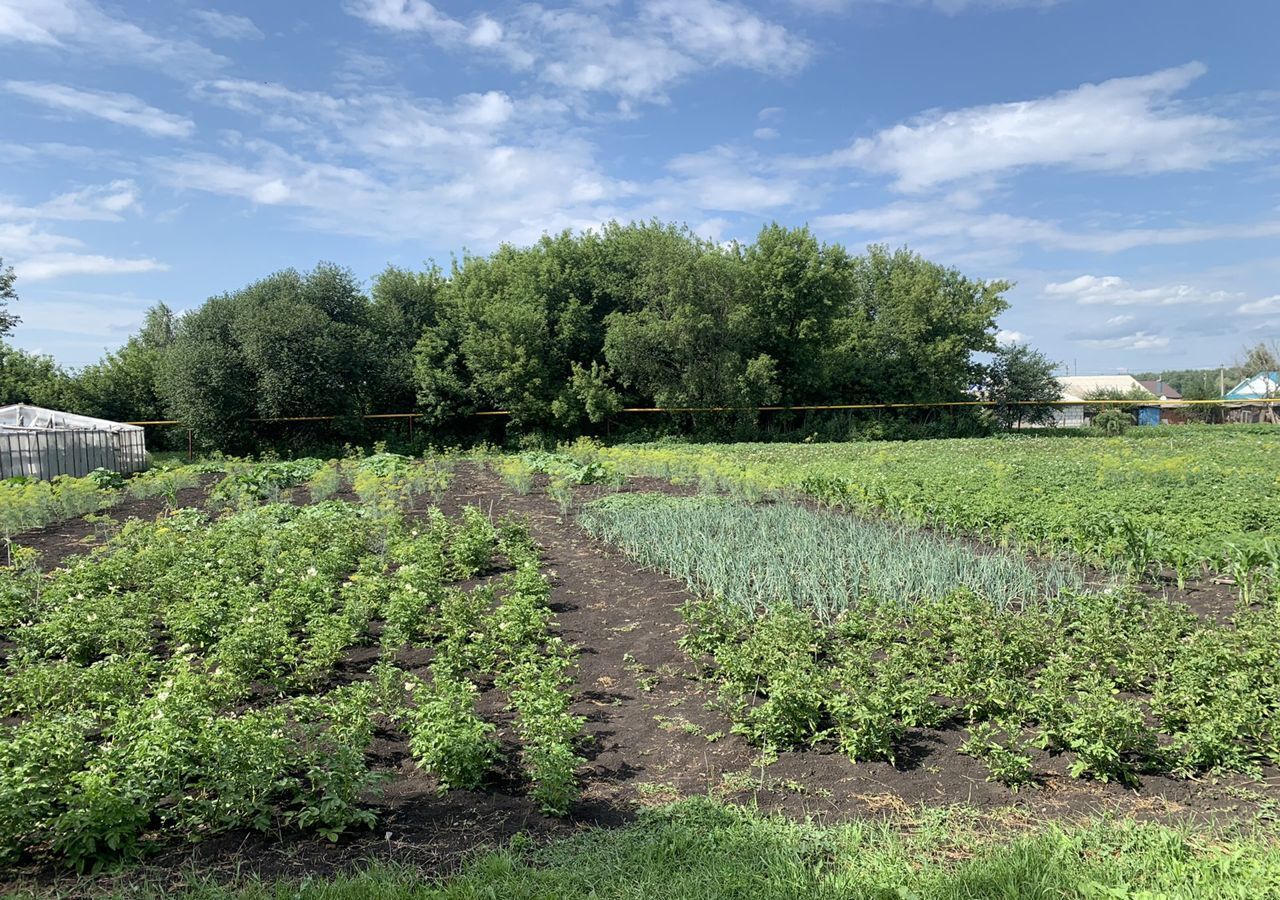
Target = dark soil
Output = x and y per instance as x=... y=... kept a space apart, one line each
x=653 y=735
x=70 y=537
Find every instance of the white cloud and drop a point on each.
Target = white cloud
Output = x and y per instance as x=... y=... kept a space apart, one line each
x=727 y=34
x=486 y=192
x=228 y=25
x=951 y=7
x=102 y=203
x=57 y=265
x=122 y=109
x=1265 y=306
x=38 y=255
x=407 y=15
x=81 y=25
x=1110 y=290
x=765 y=134
x=26 y=239
x=724 y=179
x=1128 y=125
x=583 y=49
x=955 y=227
x=1139 y=340
x=1006 y=337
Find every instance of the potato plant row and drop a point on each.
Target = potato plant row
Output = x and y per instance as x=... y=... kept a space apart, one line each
x=1122 y=684
x=179 y=680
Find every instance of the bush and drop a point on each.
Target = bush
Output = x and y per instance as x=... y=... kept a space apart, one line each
x=1112 y=421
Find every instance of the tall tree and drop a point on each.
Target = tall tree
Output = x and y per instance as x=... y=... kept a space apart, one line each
x=796 y=288
x=405 y=304
x=1021 y=383
x=912 y=327
x=292 y=344
x=689 y=346
x=31 y=378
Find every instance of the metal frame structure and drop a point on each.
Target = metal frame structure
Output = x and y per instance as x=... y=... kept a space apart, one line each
x=44 y=443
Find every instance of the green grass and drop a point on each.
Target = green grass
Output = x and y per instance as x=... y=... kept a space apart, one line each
x=755 y=556
x=700 y=849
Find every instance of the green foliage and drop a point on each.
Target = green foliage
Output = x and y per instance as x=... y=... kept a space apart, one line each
x=1123 y=683
x=8 y=294
x=262 y=482
x=912 y=329
x=756 y=556
x=290 y=345
x=1158 y=498
x=1113 y=421
x=697 y=849
x=168 y=682
x=27 y=504
x=446 y=736
x=1021 y=383
x=30 y=377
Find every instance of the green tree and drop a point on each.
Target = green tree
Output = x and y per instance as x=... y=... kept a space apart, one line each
x=8 y=294
x=911 y=329
x=796 y=288
x=31 y=378
x=1021 y=383
x=292 y=344
x=689 y=346
x=509 y=330
x=405 y=304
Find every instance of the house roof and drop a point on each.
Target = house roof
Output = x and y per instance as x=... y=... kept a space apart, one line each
x=1264 y=384
x=1075 y=387
x=28 y=417
x=1161 y=389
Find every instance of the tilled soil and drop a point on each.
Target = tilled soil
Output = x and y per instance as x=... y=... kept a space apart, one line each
x=654 y=734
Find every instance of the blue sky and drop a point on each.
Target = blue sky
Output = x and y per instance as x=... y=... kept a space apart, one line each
x=1118 y=159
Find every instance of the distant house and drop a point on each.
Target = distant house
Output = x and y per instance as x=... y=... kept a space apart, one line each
x=1263 y=386
x=1075 y=388
x=1164 y=392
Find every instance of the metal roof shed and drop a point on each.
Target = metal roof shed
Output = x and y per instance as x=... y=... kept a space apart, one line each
x=43 y=443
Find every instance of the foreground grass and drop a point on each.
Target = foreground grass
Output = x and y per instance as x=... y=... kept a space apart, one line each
x=700 y=849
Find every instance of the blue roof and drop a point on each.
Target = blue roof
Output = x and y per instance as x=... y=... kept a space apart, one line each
x=1256 y=387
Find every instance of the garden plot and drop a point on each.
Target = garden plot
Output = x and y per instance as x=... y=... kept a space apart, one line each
x=810 y=648
x=182 y=680
x=1165 y=504
x=630 y=651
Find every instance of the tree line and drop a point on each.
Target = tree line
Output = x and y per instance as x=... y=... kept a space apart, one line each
x=562 y=334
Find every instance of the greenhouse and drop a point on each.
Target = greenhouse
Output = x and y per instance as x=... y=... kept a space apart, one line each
x=44 y=443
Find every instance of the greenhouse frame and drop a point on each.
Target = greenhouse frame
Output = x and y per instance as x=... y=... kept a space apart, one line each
x=44 y=443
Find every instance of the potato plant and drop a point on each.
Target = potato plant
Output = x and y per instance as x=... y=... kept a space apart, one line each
x=1121 y=684
x=179 y=679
